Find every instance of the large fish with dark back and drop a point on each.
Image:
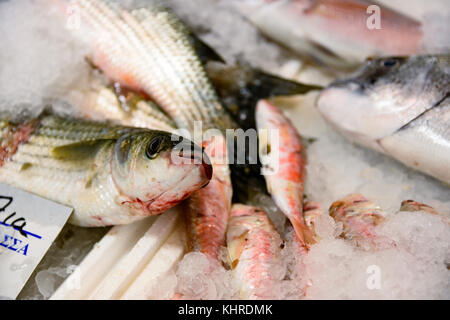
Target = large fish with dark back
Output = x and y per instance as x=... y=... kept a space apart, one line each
x=398 y=106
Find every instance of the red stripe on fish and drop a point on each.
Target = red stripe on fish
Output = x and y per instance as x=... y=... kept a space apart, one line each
x=207 y=210
x=13 y=137
x=287 y=184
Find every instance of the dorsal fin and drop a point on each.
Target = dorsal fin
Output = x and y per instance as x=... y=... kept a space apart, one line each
x=204 y=51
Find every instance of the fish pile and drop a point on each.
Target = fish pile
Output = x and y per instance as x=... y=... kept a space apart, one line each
x=136 y=151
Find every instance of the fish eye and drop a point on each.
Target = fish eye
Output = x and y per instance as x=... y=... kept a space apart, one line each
x=154 y=147
x=389 y=62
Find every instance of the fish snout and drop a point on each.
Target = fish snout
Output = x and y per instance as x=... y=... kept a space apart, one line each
x=207 y=169
x=187 y=152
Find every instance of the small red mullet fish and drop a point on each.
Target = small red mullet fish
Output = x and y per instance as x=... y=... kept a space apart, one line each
x=208 y=210
x=283 y=165
x=253 y=250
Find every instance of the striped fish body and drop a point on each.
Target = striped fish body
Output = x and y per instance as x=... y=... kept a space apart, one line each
x=149 y=49
x=123 y=108
x=108 y=174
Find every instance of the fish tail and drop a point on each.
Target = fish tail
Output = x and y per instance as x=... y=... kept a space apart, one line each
x=304 y=234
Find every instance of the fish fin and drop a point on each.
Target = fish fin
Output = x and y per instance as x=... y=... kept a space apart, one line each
x=25 y=166
x=266 y=85
x=235 y=249
x=240 y=88
x=304 y=234
x=79 y=150
x=205 y=52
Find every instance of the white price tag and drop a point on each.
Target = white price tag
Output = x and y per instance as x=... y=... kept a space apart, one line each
x=28 y=226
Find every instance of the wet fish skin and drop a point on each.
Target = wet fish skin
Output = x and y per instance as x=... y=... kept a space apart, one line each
x=285 y=173
x=108 y=174
x=334 y=32
x=149 y=49
x=253 y=249
x=398 y=106
x=208 y=210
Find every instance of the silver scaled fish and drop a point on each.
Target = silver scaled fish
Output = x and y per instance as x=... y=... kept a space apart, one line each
x=337 y=33
x=149 y=49
x=399 y=106
x=109 y=174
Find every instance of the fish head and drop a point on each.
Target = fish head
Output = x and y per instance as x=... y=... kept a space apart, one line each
x=155 y=170
x=358 y=216
x=380 y=98
x=241 y=217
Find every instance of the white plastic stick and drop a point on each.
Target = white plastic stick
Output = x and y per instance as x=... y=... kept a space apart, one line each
x=104 y=255
x=163 y=265
x=132 y=263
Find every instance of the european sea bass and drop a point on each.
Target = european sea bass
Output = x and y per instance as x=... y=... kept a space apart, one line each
x=109 y=174
x=149 y=49
x=333 y=32
x=253 y=250
x=399 y=106
x=283 y=164
x=207 y=210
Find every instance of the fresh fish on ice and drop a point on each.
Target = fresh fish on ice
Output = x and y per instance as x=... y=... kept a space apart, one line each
x=208 y=210
x=283 y=165
x=333 y=32
x=149 y=49
x=253 y=250
x=240 y=87
x=398 y=106
x=109 y=174
x=359 y=217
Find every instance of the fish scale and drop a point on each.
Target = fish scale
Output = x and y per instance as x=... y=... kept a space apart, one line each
x=398 y=106
x=109 y=174
x=130 y=109
x=156 y=56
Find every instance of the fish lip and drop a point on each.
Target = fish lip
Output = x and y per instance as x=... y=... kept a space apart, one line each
x=199 y=157
x=349 y=84
x=208 y=169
